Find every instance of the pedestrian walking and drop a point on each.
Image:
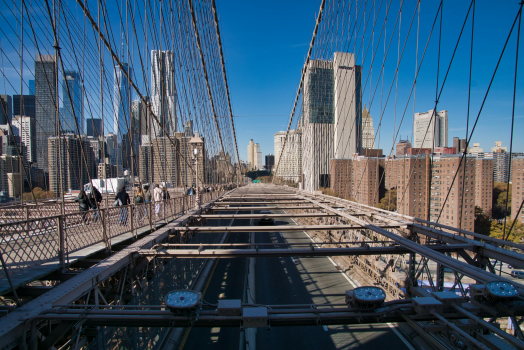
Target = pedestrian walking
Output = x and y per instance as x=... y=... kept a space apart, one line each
x=147 y=198
x=122 y=199
x=139 y=199
x=157 y=196
x=95 y=200
x=83 y=205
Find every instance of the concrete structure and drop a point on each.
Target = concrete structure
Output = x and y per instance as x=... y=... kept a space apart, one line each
x=94 y=127
x=46 y=106
x=122 y=111
x=161 y=161
x=163 y=96
x=332 y=119
x=459 y=144
x=13 y=184
x=290 y=165
x=8 y=165
x=6 y=109
x=498 y=147
x=27 y=103
x=391 y=177
x=402 y=147
x=431 y=129
x=484 y=184
x=270 y=162
x=517 y=188
x=24 y=127
x=259 y=159
x=368 y=132
x=106 y=170
x=347 y=106
x=73 y=97
x=251 y=155
x=475 y=149
x=67 y=168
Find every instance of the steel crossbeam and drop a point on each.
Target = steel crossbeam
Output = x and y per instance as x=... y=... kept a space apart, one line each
x=276 y=228
x=264 y=208
x=256 y=216
x=312 y=251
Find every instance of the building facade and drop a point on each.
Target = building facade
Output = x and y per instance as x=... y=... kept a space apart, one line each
x=72 y=95
x=484 y=184
x=517 y=188
x=94 y=127
x=6 y=109
x=163 y=97
x=122 y=112
x=270 y=162
x=27 y=103
x=431 y=129
x=368 y=132
x=46 y=106
x=290 y=164
x=24 y=127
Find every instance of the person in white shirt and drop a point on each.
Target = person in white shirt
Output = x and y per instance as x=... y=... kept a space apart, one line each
x=157 y=196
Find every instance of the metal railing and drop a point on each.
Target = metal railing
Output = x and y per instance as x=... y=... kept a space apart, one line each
x=53 y=238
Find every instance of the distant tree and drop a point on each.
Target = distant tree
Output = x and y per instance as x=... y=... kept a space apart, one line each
x=482 y=222
x=500 y=197
x=389 y=201
x=39 y=194
x=257 y=173
x=516 y=235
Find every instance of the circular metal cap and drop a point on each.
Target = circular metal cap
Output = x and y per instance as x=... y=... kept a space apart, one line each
x=369 y=294
x=182 y=299
x=501 y=289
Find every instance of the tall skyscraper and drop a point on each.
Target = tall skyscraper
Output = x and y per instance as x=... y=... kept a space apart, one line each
x=94 y=127
x=332 y=120
x=28 y=105
x=347 y=105
x=46 y=104
x=163 y=93
x=431 y=129
x=122 y=110
x=6 y=109
x=270 y=161
x=73 y=104
x=251 y=155
x=368 y=132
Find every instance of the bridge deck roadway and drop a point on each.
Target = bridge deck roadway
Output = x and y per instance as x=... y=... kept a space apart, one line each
x=288 y=280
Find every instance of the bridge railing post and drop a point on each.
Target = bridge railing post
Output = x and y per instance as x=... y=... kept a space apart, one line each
x=132 y=213
x=62 y=240
x=105 y=237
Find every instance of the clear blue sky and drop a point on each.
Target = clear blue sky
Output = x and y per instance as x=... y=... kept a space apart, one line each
x=265 y=45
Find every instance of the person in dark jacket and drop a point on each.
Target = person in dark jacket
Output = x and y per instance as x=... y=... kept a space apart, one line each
x=95 y=198
x=83 y=204
x=124 y=200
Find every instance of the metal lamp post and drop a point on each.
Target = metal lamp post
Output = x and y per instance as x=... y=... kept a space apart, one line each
x=195 y=151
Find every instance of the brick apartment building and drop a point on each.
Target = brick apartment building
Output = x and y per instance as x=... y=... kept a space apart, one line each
x=357 y=179
x=484 y=184
x=517 y=188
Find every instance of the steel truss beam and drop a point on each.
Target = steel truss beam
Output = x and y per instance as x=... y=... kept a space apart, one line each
x=476 y=273
x=276 y=228
x=245 y=253
x=264 y=208
x=256 y=216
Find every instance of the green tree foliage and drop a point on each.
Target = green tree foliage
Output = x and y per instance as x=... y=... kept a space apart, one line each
x=257 y=173
x=500 y=196
x=516 y=235
x=39 y=194
x=389 y=201
x=482 y=222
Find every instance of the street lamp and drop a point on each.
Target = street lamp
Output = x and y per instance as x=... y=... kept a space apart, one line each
x=195 y=151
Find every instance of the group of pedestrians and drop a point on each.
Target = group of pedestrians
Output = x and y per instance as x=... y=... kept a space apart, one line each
x=89 y=201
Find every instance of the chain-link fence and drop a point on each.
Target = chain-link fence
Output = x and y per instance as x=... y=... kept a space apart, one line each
x=31 y=238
